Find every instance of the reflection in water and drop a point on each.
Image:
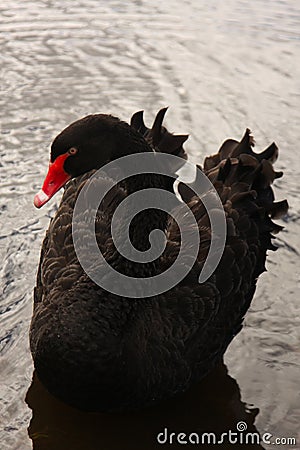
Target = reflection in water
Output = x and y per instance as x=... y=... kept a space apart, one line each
x=214 y=405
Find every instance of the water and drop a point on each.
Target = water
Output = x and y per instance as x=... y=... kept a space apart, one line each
x=221 y=67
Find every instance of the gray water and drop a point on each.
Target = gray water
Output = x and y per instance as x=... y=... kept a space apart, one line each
x=221 y=67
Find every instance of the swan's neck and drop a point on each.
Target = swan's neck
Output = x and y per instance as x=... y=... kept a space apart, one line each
x=141 y=225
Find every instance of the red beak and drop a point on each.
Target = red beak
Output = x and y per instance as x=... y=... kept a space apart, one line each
x=55 y=179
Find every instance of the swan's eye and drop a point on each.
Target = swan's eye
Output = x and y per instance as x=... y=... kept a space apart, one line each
x=72 y=151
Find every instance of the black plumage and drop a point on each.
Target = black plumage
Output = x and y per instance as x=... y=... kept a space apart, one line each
x=98 y=351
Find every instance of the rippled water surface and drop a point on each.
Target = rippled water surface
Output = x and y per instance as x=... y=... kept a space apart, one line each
x=221 y=66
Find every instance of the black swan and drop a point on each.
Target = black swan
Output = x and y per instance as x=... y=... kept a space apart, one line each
x=99 y=351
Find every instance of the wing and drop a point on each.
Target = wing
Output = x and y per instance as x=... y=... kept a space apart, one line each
x=243 y=181
x=158 y=136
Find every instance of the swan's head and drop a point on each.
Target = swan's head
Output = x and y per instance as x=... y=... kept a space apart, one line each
x=93 y=141
x=86 y=144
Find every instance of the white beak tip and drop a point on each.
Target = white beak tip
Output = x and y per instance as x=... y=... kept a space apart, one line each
x=40 y=199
